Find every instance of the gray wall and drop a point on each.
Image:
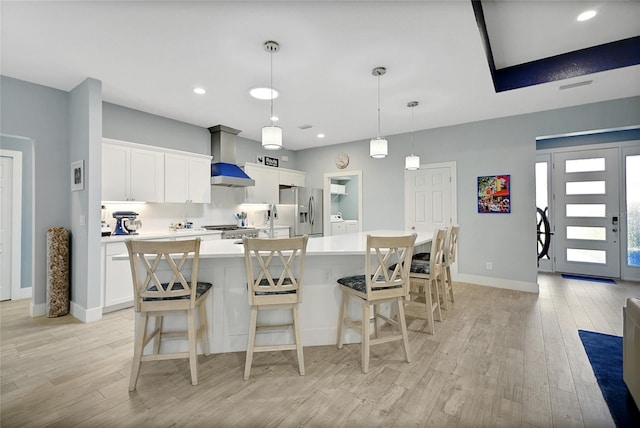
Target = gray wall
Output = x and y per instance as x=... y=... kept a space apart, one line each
x=86 y=144
x=499 y=146
x=42 y=114
x=25 y=146
x=122 y=123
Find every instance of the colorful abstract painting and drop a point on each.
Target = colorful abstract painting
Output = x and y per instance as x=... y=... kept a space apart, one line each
x=494 y=194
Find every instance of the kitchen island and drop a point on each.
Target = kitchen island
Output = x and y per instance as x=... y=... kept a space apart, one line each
x=328 y=258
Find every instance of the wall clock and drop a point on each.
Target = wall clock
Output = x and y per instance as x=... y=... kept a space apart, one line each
x=342 y=160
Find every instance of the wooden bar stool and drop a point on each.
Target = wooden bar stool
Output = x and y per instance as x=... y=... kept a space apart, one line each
x=161 y=287
x=451 y=246
x=378 y=285
x=424 y=278
x=268 y=290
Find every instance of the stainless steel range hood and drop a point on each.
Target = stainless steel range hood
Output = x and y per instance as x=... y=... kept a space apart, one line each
x=224 y=171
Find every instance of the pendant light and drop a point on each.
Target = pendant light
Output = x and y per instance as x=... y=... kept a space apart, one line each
x=412 y=162
x=378 y=145
x=271 y=134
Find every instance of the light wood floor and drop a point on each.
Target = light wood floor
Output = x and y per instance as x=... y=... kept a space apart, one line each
x=499 y=358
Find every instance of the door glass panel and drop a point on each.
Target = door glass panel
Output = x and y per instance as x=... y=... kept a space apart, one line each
x=633 y=210
x=587 y=256
x=584 y=165
x=541 y=185
x=585 y=188
x=586 y=210
x=583 y=232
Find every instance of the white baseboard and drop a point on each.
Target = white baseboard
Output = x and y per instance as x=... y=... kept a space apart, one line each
x=85 y=315
x=38 y=310
x=531 y=287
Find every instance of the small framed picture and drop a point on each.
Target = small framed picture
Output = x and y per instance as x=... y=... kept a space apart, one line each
x=77 y=175
x=269 y=161
x=494 y=194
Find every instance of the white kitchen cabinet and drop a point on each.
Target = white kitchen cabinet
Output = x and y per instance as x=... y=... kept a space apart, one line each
x=278 y=232
x=351 y=226
x=132 y=173
x=289 y=177
x=338 y=189
x=338 y=228
x=118 y=284
x=266 y=189
x=187 y=178
x=281 y=232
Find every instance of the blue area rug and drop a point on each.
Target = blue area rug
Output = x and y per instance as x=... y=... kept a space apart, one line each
x=605 y=355
x=588 y=278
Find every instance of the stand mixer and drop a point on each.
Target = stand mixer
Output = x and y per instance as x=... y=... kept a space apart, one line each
x=126 y=223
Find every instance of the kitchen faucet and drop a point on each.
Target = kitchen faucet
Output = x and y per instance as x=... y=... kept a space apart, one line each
x=272 y=213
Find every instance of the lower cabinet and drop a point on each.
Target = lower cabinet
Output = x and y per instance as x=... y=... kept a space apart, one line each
x=351 y=226
x=338 y=228
x=118 y=283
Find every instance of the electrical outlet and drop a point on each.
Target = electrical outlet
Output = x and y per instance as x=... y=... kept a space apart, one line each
x=489 y=265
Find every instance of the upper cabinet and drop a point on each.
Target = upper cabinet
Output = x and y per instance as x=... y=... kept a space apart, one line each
x=134 y=172
x=131 y=173
x=289 y=177
x=187 y=178
x=268 y=181
x=266 y=189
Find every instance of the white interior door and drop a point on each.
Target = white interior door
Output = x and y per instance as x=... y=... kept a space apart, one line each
x=586 y=213
x=429 y=197
x=6 y=186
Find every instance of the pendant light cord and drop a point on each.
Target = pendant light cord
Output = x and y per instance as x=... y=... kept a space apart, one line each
x=271 y=87
x=413 y=148
x=378 y=106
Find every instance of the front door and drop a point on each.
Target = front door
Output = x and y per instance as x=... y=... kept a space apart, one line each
x=429 y=197
x=586 y=213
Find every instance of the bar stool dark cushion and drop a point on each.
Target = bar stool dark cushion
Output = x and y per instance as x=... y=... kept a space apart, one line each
x=422 y=256
x=265 y=282
x=358 y=283
x=201 y=288
x=417 y=266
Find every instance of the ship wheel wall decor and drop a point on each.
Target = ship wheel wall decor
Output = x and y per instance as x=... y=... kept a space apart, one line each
x=544 y=233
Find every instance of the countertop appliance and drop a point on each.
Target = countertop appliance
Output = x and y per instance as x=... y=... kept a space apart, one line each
x=126 y=223
x=231 y=231
x=105 y=229
x=301 y=209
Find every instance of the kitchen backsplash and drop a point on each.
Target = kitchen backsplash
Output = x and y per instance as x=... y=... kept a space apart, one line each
x=158 y=216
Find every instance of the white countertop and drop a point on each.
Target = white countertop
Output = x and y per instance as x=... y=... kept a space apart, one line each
x=346 y=244
x=161 y=234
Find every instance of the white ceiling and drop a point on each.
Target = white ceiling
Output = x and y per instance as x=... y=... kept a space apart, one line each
x=150 y=55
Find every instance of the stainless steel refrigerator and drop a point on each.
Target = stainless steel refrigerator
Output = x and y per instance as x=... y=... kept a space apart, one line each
x=301 y=209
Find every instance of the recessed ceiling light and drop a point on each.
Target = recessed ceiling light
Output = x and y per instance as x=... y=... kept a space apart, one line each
x=264 y=93
x=320 y=135
x=199 y=91
x=587 y=15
